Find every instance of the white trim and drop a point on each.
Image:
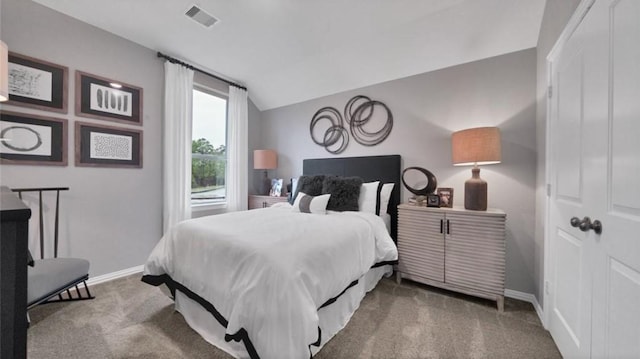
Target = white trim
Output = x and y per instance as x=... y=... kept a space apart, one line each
x=114 y=275
x=527 y=297
x=572 y=24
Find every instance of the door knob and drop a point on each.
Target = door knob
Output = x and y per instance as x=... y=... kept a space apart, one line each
x=585 y=224
x=575 y=222
x=597 y=226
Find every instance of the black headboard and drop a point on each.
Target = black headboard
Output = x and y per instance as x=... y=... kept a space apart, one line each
x=385 y=169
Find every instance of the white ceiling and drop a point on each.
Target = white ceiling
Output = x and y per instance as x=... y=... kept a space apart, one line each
x=288 y=51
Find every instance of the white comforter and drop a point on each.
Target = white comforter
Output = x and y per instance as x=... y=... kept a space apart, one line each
x=268 y=270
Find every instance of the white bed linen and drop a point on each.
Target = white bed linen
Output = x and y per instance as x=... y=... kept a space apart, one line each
x=268 y=270
x=332 y=318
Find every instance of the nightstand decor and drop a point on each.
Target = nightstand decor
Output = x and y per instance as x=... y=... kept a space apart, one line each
x=431 y=185
x=265 y=160
x=476 y=146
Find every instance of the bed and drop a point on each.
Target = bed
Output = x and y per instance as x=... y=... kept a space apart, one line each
x=274 y=282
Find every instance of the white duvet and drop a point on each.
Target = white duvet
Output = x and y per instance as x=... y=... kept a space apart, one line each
x=269 y=270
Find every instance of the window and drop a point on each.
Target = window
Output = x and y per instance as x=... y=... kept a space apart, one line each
x=208 y=147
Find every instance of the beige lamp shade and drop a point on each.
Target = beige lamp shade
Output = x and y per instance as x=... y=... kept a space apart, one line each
x=265 y=160
x=476 y=146
x=4 y=72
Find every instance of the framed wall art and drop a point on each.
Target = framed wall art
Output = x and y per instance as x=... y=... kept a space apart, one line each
x=32 y=140
x=106 y=146
x=37 y=84
x=103 y=99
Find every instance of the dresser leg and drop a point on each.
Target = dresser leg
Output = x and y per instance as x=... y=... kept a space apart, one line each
x=500 y=302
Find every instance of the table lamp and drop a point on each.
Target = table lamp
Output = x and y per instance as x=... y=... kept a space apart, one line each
x=476 y=146
x=265 y=160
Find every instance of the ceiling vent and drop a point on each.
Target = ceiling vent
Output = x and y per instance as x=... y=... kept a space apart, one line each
x=200 y=16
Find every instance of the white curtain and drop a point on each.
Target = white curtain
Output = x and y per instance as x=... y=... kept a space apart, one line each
x=237 y=155
x=178 y=98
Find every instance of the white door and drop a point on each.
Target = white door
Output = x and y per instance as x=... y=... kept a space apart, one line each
x=595 y=301
x=616 y=292
x=569 y=321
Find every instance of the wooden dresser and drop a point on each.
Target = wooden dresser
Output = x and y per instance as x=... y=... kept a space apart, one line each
x=257 y=201
x=454 y=249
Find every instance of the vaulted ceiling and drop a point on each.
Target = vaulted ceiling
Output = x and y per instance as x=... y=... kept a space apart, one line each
x=288 y=51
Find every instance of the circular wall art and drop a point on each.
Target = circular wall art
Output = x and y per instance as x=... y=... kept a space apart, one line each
x=336 y=137
x=432 y=182
x=27 y=135
x=358 y=112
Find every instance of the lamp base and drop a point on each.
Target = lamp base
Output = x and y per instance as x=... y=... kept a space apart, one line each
x=265 y=186
x=475 y=192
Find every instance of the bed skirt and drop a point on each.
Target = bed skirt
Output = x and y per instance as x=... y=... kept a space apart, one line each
x=333 y=315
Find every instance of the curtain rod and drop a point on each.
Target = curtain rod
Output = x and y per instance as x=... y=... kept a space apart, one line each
x=176 y=61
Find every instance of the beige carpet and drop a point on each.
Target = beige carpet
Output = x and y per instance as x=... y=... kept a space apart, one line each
x=130 y=319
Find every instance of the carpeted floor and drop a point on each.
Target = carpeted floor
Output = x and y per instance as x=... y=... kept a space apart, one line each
x=130 y=319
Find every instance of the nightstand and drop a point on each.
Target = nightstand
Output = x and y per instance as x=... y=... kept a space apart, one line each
x=454 y=249
x=256 y=201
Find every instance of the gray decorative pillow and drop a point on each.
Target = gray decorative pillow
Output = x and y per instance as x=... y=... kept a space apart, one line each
x=311 y=185
x=344 y=191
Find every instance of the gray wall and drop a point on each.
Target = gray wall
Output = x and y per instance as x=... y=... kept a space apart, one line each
x=427 y=108
x=110 y=216
x=556 y=15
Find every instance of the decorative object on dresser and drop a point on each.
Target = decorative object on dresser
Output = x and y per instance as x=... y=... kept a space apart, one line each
x=103 y=99
x=4 y=72
x=446 y=197
x=257 y=201
x=358 y=112
x=106 y=146
x=424 y=194
x=37 y=84
x=454 y=249
x=265 y=160
x=32 y=140
x=476 y=146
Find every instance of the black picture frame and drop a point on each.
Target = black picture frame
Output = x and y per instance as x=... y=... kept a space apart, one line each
x=32 y=140
x=38 y=84
x=107 y=146
x=100 y=98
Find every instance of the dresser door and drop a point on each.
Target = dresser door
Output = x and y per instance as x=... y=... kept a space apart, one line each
x=475 y=252
x=421 y=243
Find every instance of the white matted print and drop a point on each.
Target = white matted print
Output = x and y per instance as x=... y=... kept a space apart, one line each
x=30 y=82
x=111 y=100
x=110 y=147
x=25 y=139
x=107 y=146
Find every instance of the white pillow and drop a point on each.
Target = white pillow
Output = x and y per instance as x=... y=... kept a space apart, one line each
x=310 y=204
x=385 y=196
x=368 y=197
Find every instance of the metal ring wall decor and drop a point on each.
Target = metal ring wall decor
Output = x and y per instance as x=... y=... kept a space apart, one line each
x=334 y=133
x=358 y=120
x=357 y=113
x=432 y=182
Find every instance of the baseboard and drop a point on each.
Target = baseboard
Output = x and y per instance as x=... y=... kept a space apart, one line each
x=526 y=297
x=114 y=275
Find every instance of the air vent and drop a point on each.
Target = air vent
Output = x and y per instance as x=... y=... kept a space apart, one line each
x=200 y=16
